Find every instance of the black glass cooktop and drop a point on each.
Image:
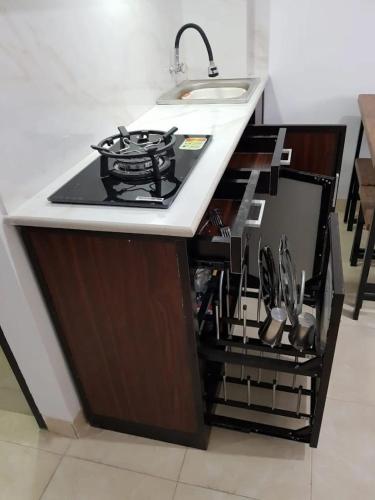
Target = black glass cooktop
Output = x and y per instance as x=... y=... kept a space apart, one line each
x=94 y=185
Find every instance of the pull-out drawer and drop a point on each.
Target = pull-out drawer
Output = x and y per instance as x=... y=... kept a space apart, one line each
x=261 y=148
x=243 y=373
x=254 y=167
x=238 y=211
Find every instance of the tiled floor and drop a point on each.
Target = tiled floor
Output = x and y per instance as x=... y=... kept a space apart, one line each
x=11 y=396
x=107 y=465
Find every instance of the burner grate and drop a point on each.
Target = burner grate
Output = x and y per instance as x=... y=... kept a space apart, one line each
x=142 y=154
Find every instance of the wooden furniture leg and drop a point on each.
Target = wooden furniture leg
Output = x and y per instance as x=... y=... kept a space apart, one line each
x=357 y=239
x=351 y=203
x=365 y=270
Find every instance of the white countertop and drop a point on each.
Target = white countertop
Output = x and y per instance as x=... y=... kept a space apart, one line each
x=225 y=122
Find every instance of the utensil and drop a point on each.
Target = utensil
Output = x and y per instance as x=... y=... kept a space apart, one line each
x=276 y=372
x=260 y=369
x=221 y=293
x=240 y=290
x=295 y=375
x=274 y=394
x=244 y=339
x=288 y=280
x=299 y=400
x=225 y=387
x=204 y=226
x=302 y=334
x=229 y=330
x=268 y=279
x=217 y=221
x=217 y=320
x=248 y=391
x=301 y=292
x=271 y=331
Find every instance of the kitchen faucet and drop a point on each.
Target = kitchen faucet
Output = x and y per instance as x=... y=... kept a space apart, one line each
x=178 y=67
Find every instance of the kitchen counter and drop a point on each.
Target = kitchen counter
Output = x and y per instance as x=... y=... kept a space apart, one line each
x=225 y=122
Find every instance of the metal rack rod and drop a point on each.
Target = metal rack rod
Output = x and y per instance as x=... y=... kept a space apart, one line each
x=311 y=368
x=268 y=385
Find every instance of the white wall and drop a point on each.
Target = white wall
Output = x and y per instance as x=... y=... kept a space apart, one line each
x=225 y=24
x=71 y=71
x=321 y=57
x=26 y=325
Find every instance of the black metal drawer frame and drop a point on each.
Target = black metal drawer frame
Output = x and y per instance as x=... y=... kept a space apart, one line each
x=315 y=363
x=240 y=184
x=261 y=140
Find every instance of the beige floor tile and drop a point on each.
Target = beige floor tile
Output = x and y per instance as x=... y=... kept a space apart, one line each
x=24 y=472
x=11 y=396
x=189 y=492
x=22 y=429
x=130 y=452
x=79 y=480
x=250 y=465
x=353 y=374
x=343 y=465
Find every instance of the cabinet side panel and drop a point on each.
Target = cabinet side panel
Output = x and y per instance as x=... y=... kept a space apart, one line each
x=120 y=307
x=316 y=149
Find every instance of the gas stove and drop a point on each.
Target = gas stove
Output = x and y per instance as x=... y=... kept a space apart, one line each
x=143 y=168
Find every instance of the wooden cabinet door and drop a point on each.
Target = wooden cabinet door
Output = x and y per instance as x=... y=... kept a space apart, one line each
x=122 y=308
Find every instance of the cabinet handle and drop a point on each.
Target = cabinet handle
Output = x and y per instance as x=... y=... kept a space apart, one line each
x=287 y=162
x=257 y=222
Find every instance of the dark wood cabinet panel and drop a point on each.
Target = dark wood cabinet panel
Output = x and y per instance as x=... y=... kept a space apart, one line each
x=316 y=149
x=122 y=308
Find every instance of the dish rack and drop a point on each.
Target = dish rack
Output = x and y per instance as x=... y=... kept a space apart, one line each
x=252 y=387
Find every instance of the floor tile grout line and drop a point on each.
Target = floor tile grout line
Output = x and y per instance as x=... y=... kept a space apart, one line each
x=120 y=468
x=50 y=479
x=30 y=447
x=182 y=465
x=175 y=491
x=217 y=490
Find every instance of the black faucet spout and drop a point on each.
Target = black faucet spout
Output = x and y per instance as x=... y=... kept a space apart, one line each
x=212 y=69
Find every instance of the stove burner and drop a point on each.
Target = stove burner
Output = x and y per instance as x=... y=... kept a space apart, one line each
x=142 y=154
x=139 y=169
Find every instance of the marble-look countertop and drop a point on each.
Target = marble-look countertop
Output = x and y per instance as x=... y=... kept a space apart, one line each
x=225 y=122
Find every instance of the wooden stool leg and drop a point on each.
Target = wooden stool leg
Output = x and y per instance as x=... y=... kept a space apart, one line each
x=350 y=196
x=353 y=203
x=365 y=269
x=357 y=239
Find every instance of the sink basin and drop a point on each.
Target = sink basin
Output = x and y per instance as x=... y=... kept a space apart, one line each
x=214 y=93
x=224 y=91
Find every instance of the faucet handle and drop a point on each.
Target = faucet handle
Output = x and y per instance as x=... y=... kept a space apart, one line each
x=212 y=70
x=177 y=68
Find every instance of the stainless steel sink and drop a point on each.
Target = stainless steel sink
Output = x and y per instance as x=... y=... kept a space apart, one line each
x=220 y=91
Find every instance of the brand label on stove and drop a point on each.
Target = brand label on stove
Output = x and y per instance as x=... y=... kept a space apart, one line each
x=149 y=198
x=193 y=143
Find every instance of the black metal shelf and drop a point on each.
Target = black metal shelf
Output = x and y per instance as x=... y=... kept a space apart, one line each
x=260 y=408
x=301 y=435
